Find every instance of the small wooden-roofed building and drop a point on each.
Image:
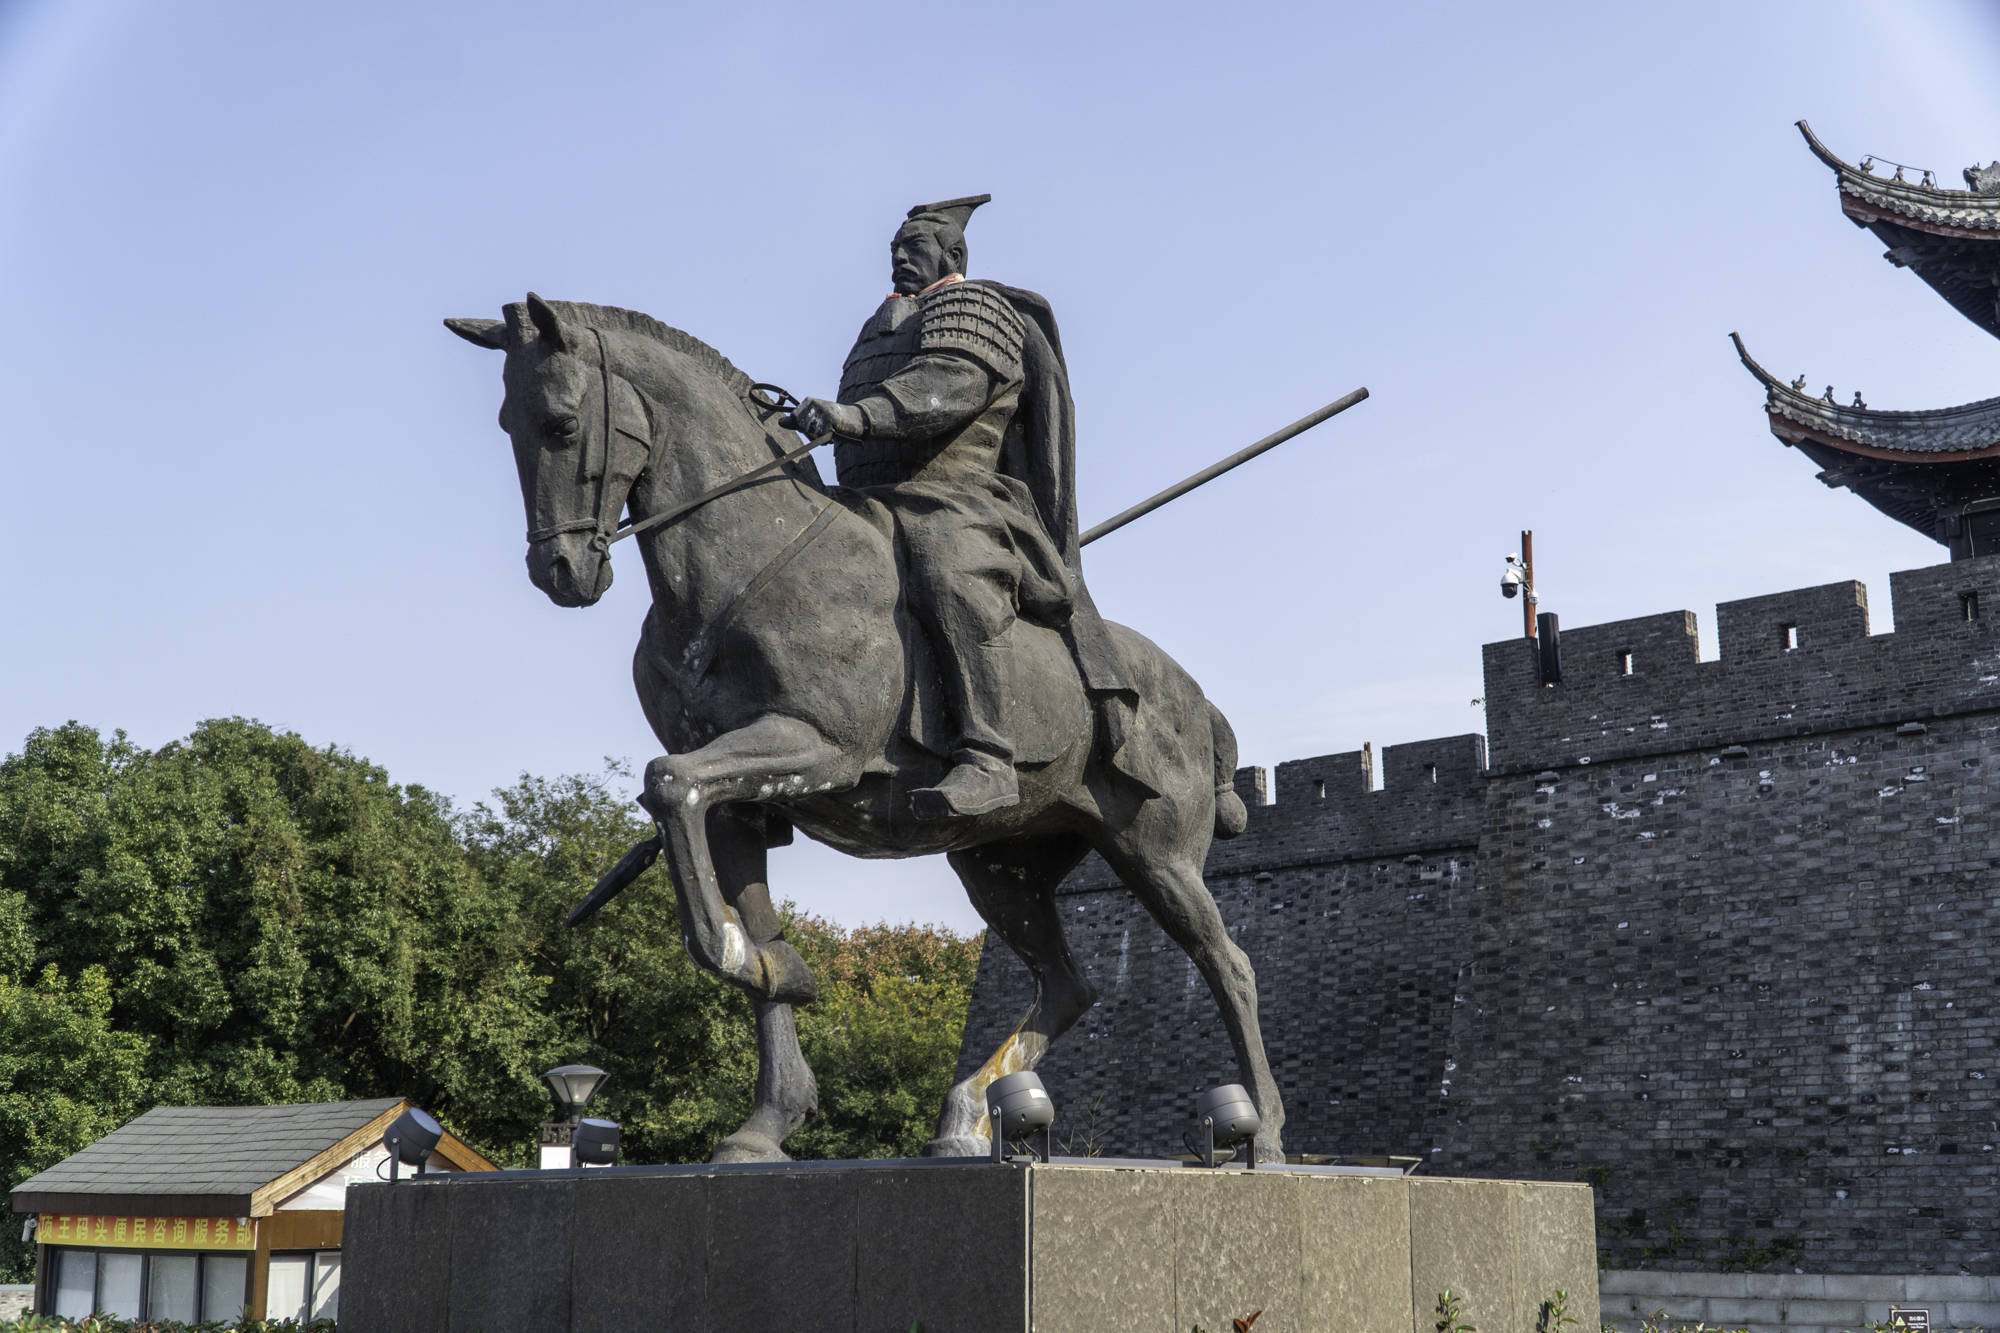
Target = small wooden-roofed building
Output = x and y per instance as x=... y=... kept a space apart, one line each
x=203 y=1212
x=1936 y=470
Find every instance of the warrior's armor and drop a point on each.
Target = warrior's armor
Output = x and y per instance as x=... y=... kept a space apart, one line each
x=960 y=321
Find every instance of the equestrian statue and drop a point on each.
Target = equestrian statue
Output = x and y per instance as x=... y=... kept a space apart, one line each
x=905 y=663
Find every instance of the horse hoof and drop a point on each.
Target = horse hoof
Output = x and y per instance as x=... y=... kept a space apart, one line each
x=741 y=1147
x=959 y=1145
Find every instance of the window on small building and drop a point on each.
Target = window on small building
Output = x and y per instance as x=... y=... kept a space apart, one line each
x=76 y=1284
x=120 y=1281
x=1791 y=638
x=304 y=1286
x=134 y=1284
x=326 y=1285
x=173 y=1289
x=1625 y=663
x=1968 y=605
x=225 y=1285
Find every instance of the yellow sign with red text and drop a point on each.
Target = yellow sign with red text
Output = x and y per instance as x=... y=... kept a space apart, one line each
x=146 y=1233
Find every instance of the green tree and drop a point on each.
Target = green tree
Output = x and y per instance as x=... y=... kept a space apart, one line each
x=277 y=922
x=66 y=1080
x=244 y=918
x=883 y=1037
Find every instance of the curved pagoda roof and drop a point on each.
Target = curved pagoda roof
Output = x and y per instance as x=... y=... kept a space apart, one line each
x=1920 y=468
x=1936 y=435
x=1949 y=238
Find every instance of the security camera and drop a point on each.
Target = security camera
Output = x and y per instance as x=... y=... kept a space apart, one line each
x=1515 y=579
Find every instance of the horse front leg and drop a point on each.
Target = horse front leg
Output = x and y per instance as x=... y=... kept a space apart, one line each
x=786 y=1091
x=771 y=759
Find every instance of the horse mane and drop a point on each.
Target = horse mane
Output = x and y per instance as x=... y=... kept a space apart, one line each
x=613 y=319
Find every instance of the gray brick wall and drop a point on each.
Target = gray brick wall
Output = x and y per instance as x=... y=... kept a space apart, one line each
x=1717 y=933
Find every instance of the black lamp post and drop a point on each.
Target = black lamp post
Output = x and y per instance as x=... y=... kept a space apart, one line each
x=574 y=1086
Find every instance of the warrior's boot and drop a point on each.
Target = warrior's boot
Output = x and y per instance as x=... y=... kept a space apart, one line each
x=982 y=777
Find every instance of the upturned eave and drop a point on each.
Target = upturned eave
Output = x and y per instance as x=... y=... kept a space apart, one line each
x=1940 y=435
x=1869 y=199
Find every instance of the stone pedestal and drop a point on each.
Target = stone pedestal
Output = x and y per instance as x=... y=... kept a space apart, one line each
x=960 y=1247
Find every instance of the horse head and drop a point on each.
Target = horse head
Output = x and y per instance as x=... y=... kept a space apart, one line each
x=581 y=435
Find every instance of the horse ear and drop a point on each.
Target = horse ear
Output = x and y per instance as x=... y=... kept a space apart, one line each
x=484 y=332
x=548 y=322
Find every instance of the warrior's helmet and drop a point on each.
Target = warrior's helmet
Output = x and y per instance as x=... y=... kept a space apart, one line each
x=948 y=219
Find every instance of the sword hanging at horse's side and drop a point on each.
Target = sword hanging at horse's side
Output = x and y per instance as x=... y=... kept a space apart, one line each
x=1214 y=470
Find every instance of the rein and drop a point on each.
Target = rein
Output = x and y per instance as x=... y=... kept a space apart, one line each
x=605 y=525
x=604 y=529
x=688 y=506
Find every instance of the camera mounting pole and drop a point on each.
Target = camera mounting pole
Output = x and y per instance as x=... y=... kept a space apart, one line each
x=1528 y=602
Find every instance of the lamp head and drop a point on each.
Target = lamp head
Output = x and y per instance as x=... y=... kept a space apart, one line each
x=595 y=1143
x=1022 y=1103
x=1234 y=1114
x=574 y=1086
x=412 y=1137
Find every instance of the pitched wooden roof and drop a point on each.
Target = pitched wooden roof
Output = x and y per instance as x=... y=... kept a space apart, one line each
x=217 y=1161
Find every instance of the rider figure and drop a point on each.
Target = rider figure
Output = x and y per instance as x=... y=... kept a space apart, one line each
x=954 y=412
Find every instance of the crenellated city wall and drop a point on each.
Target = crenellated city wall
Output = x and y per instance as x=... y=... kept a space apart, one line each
x=1715 y=936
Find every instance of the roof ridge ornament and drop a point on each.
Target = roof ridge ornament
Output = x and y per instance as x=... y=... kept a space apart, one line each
x=1927 y=179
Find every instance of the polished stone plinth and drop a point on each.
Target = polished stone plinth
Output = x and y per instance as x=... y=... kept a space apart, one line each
x=1078 y=1246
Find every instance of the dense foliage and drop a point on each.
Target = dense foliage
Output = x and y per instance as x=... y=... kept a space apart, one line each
x=242 y=918
x=111 y=1323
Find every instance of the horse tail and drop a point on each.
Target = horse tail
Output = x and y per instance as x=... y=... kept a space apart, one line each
x=1231 y=817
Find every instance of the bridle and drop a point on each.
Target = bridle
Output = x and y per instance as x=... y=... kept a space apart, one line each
x=605 y=528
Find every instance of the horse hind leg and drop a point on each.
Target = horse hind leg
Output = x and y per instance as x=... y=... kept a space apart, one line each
x=786 y=1091
x=1161 y=864
x=1012 y=884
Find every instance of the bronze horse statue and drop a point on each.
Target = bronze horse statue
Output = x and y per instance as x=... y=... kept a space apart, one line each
x=782 y=676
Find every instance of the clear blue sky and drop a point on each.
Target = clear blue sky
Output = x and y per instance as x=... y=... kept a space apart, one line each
x=247 y=472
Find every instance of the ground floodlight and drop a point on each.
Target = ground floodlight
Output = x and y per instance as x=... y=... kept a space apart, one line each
x=594 y=1143
x=574 y=1086
x=1016 y=1104
x=1228 y=1118
x=410 y=1140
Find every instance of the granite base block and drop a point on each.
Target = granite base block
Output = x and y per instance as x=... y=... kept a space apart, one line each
x=960 y=1247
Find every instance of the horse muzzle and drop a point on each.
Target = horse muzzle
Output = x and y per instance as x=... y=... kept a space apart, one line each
x=569 y=570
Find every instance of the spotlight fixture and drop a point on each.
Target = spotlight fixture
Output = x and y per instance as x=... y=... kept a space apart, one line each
x=1228 y=1118
x=594 y=1143
x=410 y=1140
x=574 y=1086
x=1015 y=1104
